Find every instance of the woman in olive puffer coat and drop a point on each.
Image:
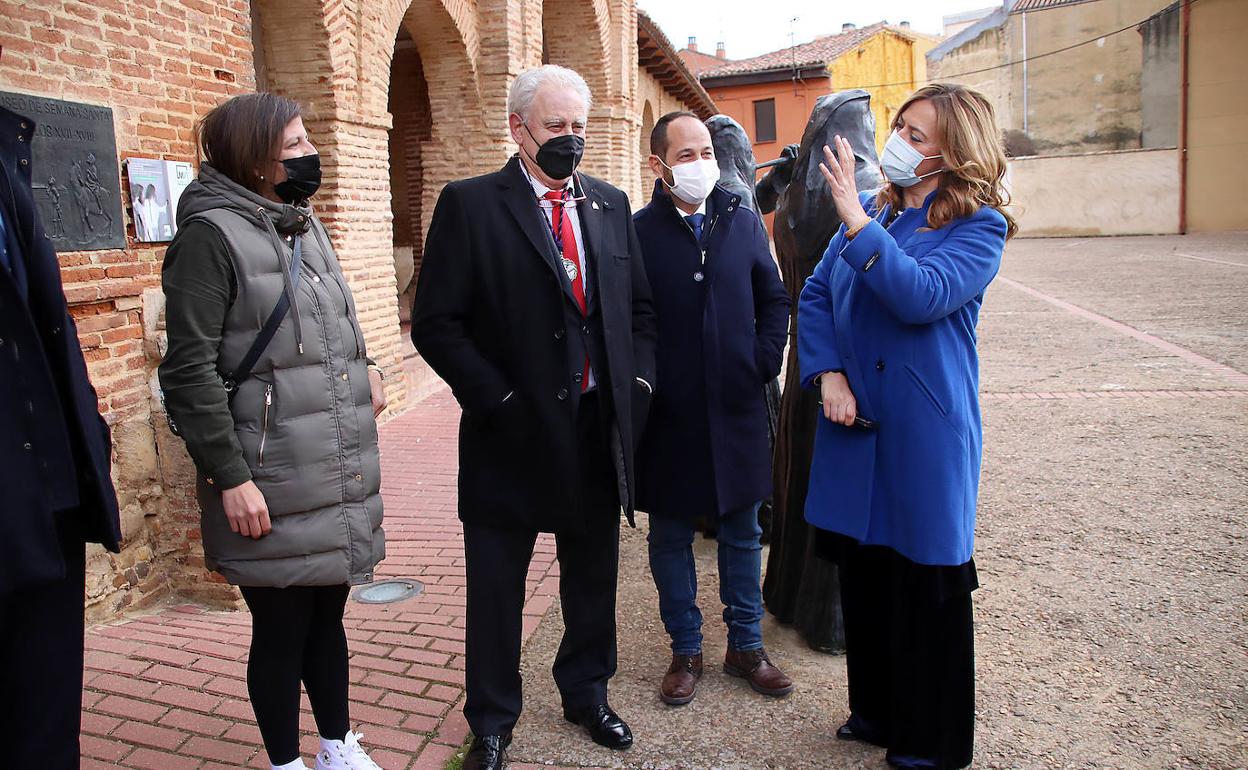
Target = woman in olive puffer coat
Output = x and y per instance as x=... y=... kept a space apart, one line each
x=286 y=449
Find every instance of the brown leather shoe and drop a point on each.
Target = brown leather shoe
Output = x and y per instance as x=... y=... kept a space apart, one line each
x=681 y=682
x=755 y=667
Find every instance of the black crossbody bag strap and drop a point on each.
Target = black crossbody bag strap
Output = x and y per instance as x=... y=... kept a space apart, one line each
x=233 y=379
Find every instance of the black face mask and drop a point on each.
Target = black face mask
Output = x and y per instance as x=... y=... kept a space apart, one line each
x=560 y=155
x=303 y=178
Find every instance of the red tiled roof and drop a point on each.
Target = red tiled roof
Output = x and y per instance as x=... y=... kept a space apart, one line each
x=658 y=56
x=700 y=61
x=1040 y=5
x=818 y=52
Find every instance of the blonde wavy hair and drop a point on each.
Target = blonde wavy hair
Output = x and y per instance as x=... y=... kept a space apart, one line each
x=973 y=152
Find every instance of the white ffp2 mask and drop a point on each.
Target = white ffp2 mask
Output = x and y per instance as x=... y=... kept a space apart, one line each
x=900 y=160
x=695 y=180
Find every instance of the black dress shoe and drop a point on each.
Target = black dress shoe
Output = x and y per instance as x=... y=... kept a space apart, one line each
x=604 y=726
x=856 y=729
x=487 y=753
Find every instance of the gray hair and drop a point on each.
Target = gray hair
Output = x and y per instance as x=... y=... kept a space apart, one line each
x=529 y=82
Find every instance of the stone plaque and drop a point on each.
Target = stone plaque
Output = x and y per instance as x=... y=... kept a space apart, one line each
x=75 y=177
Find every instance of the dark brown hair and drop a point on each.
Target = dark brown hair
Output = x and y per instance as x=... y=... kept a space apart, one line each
x=243 y=134
x=658 y=136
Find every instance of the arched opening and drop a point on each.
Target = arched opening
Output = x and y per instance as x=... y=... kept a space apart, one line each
x=575 y=34
x=643 y=150
x=412 y=129
x=436 y=132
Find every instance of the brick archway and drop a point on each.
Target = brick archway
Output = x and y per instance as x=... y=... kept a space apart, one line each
x=643 y=149
x=578 y=34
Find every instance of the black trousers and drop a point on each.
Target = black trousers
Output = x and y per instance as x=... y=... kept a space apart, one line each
x=297 y=635
x=41 y=636
x=910 y=653
x=497 y=563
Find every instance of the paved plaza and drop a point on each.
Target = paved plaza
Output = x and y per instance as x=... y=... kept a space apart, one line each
x=1111 y=623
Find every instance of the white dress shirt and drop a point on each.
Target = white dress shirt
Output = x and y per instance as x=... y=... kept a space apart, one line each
x=570 y=211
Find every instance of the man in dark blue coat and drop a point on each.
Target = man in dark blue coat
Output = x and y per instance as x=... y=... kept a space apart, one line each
x=54 y=472
x=723 y=317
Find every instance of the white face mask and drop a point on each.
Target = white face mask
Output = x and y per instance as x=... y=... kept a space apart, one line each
x=900 y=160
x=694 y=180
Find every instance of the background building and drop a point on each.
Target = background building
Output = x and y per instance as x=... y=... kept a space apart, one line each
x=402 y=96
x=772 y=95
x=1118 y=113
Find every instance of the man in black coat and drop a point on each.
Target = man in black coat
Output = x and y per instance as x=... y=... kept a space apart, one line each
x=54 y=472
x=533 y=305
x=723 y=317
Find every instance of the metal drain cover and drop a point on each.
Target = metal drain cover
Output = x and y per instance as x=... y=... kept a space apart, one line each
x=388 y=591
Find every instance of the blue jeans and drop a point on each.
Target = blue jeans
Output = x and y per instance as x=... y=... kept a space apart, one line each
x=740 y=569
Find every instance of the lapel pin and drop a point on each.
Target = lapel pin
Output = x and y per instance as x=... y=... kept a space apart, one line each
x=594 y=205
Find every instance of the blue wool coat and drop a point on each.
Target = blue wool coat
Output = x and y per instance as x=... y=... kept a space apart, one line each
x=896 y=309
x=705 y=449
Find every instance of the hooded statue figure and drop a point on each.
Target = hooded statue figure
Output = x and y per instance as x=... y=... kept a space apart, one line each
x=801 y=587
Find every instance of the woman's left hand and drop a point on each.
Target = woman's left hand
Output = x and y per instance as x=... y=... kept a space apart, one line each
x=838 y=169
x=378 y=391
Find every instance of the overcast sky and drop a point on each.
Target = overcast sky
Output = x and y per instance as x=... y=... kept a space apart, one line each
x=751 y=27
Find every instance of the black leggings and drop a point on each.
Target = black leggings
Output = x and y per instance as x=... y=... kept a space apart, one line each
x=297 y=634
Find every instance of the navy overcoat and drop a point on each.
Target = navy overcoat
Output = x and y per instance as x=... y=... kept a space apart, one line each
x=896 y=309
x=54 y=446
x=722 y=325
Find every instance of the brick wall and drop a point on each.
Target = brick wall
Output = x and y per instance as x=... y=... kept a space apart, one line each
x=159 y=67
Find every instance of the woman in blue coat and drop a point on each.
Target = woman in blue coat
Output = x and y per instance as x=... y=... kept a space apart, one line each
x=886 y=331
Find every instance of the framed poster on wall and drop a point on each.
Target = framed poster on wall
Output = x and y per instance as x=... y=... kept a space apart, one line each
x=155 y=187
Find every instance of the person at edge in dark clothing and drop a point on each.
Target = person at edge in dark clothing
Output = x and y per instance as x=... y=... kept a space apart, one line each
x=55 y=472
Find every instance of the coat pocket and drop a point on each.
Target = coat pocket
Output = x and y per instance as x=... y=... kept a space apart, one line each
x=926 y=391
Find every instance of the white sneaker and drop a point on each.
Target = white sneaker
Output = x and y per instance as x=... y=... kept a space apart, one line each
x=295 y=765
x=344 y=755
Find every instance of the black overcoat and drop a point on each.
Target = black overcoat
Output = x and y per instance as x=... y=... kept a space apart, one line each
x=722 y=322
x=490 y=317
x=54 y=446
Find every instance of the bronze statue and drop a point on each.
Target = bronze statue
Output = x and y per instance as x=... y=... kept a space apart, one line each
x=802 y=587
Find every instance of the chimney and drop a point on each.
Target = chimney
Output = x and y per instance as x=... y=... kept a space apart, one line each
x=847 y=26
x=905 y=25
x=693 y=44
x=720 y=53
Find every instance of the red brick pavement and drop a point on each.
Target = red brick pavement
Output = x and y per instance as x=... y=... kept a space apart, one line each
x=167 y=690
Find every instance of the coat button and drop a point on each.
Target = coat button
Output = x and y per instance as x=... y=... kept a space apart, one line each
x=562 y=395
x=28 y=447
x=585 y=329
x=316 y=279
x=210 y=481
x=879 y=365
x=559 y=334
x=359 y=477
x=21 y=138
x=25 y=162
x=344 y=375
x=577 y=377
x=698 y=276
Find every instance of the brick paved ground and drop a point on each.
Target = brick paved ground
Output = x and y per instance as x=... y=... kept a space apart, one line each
x=1096 y=357
x=167 y=690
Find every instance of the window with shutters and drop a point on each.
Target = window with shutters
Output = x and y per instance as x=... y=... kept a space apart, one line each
x=765 y=120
